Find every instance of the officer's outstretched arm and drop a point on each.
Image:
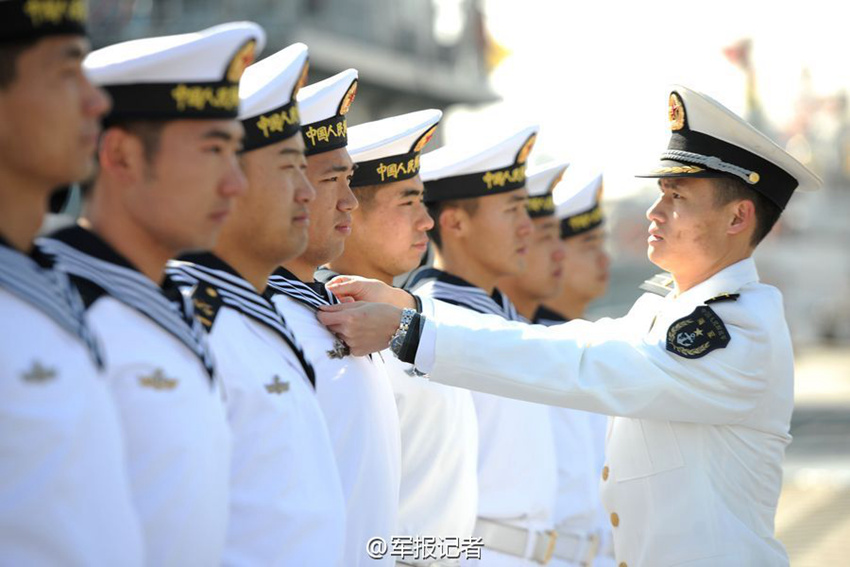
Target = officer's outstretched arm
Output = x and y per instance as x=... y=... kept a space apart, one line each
x=590 y=366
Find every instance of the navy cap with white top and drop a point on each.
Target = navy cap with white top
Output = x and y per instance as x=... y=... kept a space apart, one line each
x=709 y=140
x=540 y=183
x=388 y=150
x=191 y=75
x=269 y=110
x=459 y=173
x=323 y=107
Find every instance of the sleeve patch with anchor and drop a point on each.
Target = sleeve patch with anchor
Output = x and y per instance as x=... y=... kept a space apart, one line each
x=697 y=334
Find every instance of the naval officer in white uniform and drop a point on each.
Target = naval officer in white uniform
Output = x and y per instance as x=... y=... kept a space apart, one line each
x=64 y=492
x=286 y=504
x=353 y=391
x=699 y=373
x=168 y=172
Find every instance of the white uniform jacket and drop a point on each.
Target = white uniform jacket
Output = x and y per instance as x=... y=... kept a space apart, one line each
x=704 y=398
x=64 y=492
x=160 y=372
x=286 y=503
x=355 y=396
x=517 y=472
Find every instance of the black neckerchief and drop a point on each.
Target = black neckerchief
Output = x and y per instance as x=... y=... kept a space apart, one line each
x=237 y=293
x=312 y=295
x=31 y=279
x=98 y=269
x=548 y=317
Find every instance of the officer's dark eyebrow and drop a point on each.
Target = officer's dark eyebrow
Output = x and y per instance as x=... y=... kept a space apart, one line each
x=291 y=152
x=518 y=198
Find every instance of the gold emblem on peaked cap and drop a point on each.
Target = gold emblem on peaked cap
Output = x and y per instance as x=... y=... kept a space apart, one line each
x=522 y=156
x=345 y=105
x=676 y=112
x=424 y=139
x=243 y=58
x=302 y=80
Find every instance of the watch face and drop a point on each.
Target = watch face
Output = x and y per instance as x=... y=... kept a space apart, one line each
x=396 y=342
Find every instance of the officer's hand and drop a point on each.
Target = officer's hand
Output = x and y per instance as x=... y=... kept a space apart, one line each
x=373 y=291
x=365 y=327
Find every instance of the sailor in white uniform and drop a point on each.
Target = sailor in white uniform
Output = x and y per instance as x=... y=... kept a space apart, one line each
x=439 y=435
x=353 y=391
x=554 y=262
x=482 y=232
x=167 y=171
x=64 y=491
x=286 y=503
x=699 y=373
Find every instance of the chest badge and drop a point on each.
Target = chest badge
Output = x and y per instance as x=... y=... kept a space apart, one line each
x=277 y=386
x=697 y=334
x=38 y=374
x=157 y=380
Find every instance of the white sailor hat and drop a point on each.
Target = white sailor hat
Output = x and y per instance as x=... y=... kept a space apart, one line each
x=269 y=111
x=709 y=140
x=540 y=183
x=454 y=173
x=323 y=107
x=388 y=150
x=22 y=20
x=191 y=75
x=578 y=205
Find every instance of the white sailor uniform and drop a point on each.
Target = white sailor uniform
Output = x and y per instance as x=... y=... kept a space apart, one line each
x=160 y=373
x=64 y=491
x=703 y=382
x=357 y=402
x=517 y=472
x=579 y=516
x=286 y=504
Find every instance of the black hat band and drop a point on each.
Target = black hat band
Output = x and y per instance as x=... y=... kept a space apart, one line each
x=541 y=206
x=174 y=100
x=271 y=127
x=325 y=135
x=476 y=184
x=30 y=19
x=386 y=170
x=582 y=222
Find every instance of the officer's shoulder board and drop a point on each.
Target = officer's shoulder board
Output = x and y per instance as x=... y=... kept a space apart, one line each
x=206 y=301
x=659 y=284
x=701 y=332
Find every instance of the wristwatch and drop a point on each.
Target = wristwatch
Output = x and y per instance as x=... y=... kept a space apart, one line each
x=397 y=340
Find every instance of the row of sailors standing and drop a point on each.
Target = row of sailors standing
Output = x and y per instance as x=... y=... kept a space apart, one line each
x=194 y=411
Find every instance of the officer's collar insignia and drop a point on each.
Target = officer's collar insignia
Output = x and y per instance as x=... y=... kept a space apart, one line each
x=207 y=303
x=659 y=284
x=38 y=374
x=723 y=297
x=697 y=334
x=157 y=380
x=277 y=386
x=676 y=112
